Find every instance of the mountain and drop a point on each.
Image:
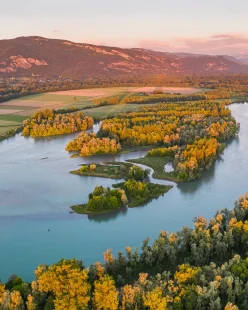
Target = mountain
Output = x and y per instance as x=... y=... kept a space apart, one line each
x=242 y=58
x=37 y=56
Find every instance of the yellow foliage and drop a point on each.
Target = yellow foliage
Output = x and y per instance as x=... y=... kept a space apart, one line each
x=16 y=302
x=154 y=299
x=68 y=283
x=143 y=278
x=92 y=167
x=128 y=249
x=219 y=217
x=40 y=270
x=31 y=303
x=128 y=296
x=230 y=306
x=108 y=256
x=100 y=269
x=2 y=290
x=244 y=204
x=173 y=238
x=105 y=294
x=186 y=273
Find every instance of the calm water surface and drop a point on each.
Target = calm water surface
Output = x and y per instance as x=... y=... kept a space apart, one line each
x=36 y=193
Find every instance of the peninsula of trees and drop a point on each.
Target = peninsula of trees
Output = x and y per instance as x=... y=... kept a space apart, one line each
x=48 y=123
x=113 y=170
x=191 y=134
x=131 y=192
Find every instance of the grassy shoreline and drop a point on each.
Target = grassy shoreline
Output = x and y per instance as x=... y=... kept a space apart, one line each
x=111 y=170
x=157 y=164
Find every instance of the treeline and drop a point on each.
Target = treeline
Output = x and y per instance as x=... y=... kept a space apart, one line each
x=107 y=101
x=201 y=268
x=164 y=98
x=67 y=110
x=89 y=144
x=14 y=88
x=49 y=123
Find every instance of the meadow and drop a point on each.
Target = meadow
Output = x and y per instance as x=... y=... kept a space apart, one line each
x=13 y=112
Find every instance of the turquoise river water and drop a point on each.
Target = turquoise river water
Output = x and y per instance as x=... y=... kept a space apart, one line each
x=36 y=194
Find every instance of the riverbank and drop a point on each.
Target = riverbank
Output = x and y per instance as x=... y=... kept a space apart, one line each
x=108 y=170
x=82 y=209
x=112 y=170
x=157 y=164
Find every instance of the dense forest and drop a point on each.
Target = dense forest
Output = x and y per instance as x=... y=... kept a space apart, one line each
x=89 y=144
x=48 y=123
x=191 y=133
x=172 y=123
x=201 y=268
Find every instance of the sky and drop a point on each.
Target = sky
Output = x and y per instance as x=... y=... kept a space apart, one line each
x=206 y=27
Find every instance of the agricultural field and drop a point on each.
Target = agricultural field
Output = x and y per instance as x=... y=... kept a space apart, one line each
x=111 y=110
x=13 y=112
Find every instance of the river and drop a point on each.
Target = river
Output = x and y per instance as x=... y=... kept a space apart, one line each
x=37 y=190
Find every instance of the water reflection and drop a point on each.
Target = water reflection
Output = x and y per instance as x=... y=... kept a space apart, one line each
x=99 y=218
x=192 y=186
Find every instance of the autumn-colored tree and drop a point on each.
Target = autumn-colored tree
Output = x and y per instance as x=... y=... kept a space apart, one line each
x=16 y=301
x=48 y=123
x=105 y=295
x=31 y=305
x=92 y=167
x=154 y=299
x=68 y=282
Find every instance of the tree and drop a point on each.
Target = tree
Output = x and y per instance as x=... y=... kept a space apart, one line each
x=105 y=294
x=68 y=282
x=154 y=299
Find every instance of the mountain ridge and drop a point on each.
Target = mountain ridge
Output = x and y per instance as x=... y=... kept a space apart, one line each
x=38 y=56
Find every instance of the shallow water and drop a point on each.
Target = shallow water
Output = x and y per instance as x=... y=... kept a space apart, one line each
x=169 y=167
x=36 y=195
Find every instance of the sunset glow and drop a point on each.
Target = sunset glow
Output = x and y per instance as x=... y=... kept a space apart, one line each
x=213 y=27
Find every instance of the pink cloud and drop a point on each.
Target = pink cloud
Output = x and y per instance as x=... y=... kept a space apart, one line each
x=216 y=44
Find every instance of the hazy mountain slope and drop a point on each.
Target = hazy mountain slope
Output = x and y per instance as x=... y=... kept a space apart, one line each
x=27 y=56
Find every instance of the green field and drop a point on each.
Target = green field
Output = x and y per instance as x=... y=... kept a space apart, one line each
x=8 y=122
x=22 y=108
